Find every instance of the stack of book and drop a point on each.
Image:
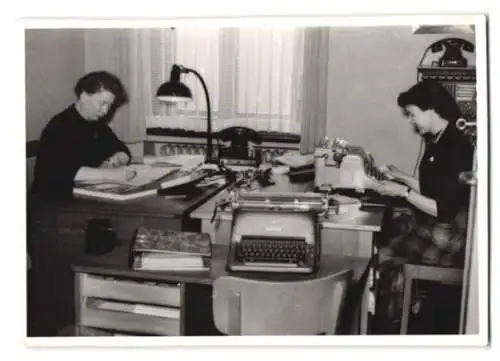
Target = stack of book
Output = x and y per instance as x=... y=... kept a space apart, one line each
x=167 y=250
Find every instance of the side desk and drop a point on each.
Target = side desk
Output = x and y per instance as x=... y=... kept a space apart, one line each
x=56 y=239
x=344 y=234
x=184 y=309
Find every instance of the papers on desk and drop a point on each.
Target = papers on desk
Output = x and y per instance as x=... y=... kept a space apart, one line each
x=283 y=169
x=344 y=205
x=147 y=181
x=296 y=160
x=185 y=161
x=146 y=174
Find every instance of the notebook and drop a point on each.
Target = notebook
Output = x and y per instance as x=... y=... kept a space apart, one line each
x=169 y=250
x=147 y=181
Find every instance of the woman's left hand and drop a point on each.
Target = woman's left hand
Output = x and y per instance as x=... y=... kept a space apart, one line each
x=116 y=160
x=388 y=188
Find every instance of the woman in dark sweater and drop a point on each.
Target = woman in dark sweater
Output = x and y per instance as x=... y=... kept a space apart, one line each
x=434 y=230
x=438 y=197
x=78 y=144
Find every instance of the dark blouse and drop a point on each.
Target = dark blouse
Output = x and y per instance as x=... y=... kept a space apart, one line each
x=67 y=143
x=440 y=168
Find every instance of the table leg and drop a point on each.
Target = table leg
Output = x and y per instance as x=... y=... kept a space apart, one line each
x=210 y=228
x=406 y=301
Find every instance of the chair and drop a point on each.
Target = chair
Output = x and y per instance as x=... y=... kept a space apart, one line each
x=412 y=272
x=243 y=306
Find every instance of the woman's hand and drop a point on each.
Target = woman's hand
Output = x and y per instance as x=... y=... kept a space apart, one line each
x=116 y=160
x=388 y=188
x=392 y=172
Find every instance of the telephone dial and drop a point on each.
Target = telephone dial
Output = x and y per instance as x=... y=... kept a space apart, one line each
x=240 y=149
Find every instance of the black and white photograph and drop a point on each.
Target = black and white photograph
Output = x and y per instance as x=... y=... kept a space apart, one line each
x=209 y=180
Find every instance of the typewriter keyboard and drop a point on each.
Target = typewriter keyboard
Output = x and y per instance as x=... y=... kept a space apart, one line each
x=282 y=250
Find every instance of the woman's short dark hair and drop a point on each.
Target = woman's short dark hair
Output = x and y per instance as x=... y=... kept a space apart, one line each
x=93 y=82
x=430 y=94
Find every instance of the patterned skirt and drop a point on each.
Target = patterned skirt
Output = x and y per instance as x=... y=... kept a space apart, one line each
x=414 y=238
x=421 y=239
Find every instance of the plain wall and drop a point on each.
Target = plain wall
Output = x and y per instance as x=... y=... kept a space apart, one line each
x=55 y=60
x=368 y=68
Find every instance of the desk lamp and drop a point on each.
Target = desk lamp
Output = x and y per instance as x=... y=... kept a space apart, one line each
x=174 y=91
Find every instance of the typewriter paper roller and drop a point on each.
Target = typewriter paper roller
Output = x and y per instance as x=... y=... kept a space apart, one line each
x=291 y=202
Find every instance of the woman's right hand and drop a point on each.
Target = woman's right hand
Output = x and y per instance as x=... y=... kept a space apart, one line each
x=393 y=173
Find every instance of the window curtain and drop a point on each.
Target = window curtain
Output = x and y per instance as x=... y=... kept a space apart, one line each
x=311 y=104
x=253 y=78
x=127 y=54
x=142 y=59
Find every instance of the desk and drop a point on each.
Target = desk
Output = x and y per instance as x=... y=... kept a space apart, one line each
x=56 y=238
x=350 y=235
x=342 y=234
x=109 y=276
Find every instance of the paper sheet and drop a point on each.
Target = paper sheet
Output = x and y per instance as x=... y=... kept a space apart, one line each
x=146 y=173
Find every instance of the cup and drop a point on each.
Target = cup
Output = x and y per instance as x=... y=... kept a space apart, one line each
x=99 y=237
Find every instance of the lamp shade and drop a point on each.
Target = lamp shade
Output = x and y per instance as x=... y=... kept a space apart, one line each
x=174 y=92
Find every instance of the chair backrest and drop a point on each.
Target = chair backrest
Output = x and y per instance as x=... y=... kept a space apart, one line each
x=244 y=306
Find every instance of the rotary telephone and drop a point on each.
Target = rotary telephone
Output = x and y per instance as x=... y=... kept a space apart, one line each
x=239 y=148
x=453 y=47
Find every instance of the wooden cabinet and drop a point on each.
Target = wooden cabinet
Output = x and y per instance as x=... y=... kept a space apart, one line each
x=128 y=305
x=56 y=240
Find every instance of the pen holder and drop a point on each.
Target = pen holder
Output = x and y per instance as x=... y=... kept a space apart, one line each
x=99 y=237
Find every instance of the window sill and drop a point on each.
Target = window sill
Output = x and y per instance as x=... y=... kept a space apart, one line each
x=267 y=137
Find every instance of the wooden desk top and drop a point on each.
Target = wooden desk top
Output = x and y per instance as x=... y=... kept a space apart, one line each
x=358 y=220
x=155 y=205
x=115 y=264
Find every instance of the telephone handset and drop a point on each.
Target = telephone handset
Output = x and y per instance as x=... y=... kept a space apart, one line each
x=239 y=138
x=453 y=47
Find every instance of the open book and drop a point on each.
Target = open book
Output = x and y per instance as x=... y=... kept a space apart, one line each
x=147 y=181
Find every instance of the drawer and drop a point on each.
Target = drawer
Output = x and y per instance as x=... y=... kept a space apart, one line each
x=130 y=322
x=130 y=291
x=346 y=242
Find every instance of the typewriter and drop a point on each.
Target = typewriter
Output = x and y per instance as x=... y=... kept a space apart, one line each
x=339 y=165
x=276 y=232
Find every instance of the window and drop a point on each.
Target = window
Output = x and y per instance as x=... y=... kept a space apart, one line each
x=251 y=74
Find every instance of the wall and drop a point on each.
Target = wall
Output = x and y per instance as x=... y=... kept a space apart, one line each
x=122 y=52
x=55 y=59
x=368 y=68
x=105 y=49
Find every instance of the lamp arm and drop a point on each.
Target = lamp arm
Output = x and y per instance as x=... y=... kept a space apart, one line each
x=209 y=121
